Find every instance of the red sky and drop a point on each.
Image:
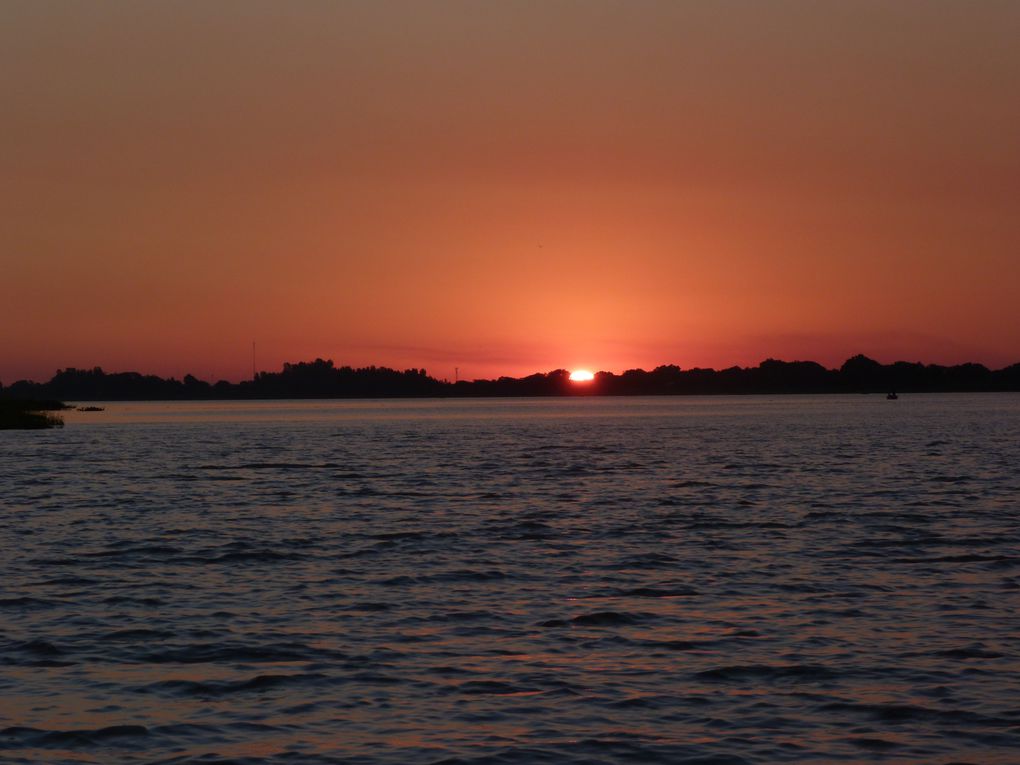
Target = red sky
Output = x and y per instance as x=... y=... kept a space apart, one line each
x=507 y=187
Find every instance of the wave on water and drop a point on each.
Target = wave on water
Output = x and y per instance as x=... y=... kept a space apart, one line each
x=695 y=582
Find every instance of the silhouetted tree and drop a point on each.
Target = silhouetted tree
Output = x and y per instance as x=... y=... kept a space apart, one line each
x=322 y=378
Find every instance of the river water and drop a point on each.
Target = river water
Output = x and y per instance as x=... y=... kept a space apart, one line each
x=710 y=580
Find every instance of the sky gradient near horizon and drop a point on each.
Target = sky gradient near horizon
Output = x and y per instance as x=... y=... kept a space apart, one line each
x=506 y=187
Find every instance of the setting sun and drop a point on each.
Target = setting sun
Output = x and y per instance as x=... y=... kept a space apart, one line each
x=581 y=375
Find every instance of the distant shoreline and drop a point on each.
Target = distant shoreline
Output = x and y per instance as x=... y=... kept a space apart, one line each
x=322 y=379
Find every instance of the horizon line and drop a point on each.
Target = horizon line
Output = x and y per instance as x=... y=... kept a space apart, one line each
x=423 y=370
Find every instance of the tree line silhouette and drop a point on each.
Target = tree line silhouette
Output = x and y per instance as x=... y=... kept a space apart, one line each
x=322 y=379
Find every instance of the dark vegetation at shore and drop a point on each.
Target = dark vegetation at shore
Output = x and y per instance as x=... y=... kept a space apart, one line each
x=30 y=415
x=322 y=379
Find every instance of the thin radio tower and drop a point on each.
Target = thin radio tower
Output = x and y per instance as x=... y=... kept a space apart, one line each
x=253 y=375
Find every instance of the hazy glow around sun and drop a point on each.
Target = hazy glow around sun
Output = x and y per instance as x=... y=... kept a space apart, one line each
x=581 y=375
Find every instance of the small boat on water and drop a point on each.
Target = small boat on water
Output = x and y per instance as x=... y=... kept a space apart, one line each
x=91 y=409
x=891 y=396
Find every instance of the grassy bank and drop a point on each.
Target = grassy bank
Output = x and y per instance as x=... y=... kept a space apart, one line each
x=30 y=415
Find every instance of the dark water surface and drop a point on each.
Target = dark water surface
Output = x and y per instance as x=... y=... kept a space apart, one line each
x=681 y=580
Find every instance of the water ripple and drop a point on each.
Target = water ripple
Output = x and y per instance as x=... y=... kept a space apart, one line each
x=717 y=581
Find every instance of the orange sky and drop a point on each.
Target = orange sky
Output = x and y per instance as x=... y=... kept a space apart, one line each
x=507 y=187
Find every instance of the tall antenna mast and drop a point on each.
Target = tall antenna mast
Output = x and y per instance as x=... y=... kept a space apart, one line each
x=253 y=375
